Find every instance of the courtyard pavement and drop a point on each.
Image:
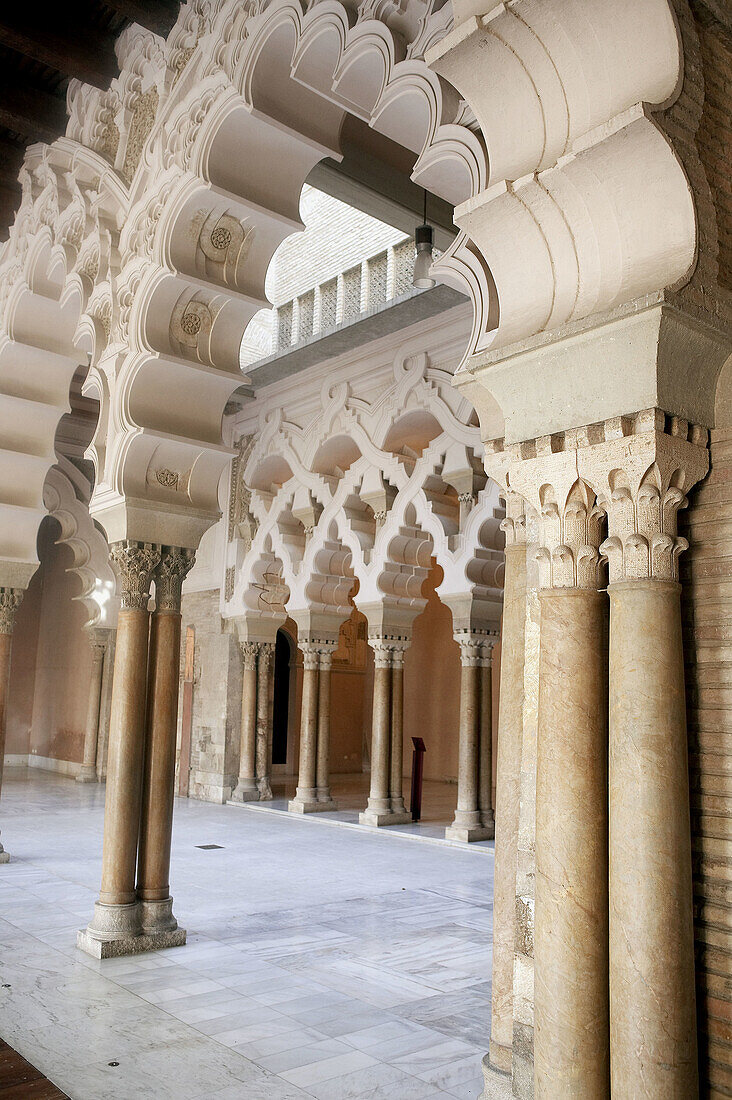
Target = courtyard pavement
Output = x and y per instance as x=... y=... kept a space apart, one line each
x=320 y=962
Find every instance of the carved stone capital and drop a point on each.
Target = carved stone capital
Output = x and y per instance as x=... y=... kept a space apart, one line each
x=173 y=568
x=310 y=655
x=266 y=655
x=10 y=601
x=134 y=563
x=382 y=652
x=514 y=525
x=571 y=531
x=476 y=647
x=249 y=652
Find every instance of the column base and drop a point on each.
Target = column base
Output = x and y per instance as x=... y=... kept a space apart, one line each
x=496 y=1083
x=245 y=792
x=384 y=817
x=499 y=1057
x=128 y=945
x=310 y=806
x=87 y=775
x=265 y=791
x=468 y=834
x=157 y=917
x=4 y=856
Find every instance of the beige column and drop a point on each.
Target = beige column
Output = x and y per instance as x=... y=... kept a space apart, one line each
x=246 y=788
x=571 y=1001
x=508 y=780
x=485 y=761
x=306 y=796
x=323 y=750
x=652 y=997
x=263 y=753
x=10 y=599
x=467 y=825
x=105 y=705
x=98 y=645
x=156 y=820
x=378 y=810
x=117 y=913
x=396 y=781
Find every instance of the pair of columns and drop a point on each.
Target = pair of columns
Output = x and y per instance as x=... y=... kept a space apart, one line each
x=386 y=799
x=255 y=751
x=614 y=991
x=474 y=814
x=10 y=600
x=313 y=786
x=135 y=910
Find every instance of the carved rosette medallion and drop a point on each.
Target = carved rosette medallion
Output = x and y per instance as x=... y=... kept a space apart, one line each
x=134 y=563
x=10 y=600
x=175 y=564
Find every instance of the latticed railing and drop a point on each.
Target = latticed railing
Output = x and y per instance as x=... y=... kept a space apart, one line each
x=361 y=288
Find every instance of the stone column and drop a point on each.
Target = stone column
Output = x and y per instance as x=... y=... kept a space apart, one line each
x=105 y=705
x=10 y=599
x=263 y=753
x=396 y=795
x=378 y=810
x=485 y=755
x=115 y=925
x=306 y=796
x=156 y=820
x=571 y=1000
x=246 y=788
x=88 y=770
x=323 y=751
x=467 y=824
x=652 y=1001
x=508 y=782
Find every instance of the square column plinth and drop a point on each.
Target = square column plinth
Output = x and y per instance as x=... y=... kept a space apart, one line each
x=311 y=806
x=469 y=834
x=128 y=945
x=384 y=817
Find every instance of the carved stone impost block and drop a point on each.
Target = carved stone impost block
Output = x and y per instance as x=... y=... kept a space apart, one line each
x=134 y=563
x=175 y=564
x=10 y=600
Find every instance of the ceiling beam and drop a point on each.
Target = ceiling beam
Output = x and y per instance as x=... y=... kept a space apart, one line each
x=32 y=112
x=159 y=16
x=87 y=55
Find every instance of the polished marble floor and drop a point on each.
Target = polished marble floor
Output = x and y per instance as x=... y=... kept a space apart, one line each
x=321 y=962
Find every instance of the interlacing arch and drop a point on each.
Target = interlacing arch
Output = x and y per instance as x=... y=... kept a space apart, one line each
x=364 y=486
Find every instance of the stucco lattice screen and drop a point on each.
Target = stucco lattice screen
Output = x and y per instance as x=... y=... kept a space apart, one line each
x=378 y=271
x=328 y=304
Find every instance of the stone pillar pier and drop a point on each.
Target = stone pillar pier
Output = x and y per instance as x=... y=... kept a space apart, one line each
x=246 y=788
x=508 y=782
x=379 y=810
x=156 y=820
x=116 y=925
x=652 y=1002
x=571 y=1036
x=468 y=825
x=10 y=600
x=88 y=770
x=322 y=779
x=263 y=754
x=306 y=795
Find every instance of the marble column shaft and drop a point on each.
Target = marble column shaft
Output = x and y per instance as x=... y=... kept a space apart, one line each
x=306 y=788
x=396 y=795
x=322 y=779
x=264 y=720
x=571 y=1037
x=88 y=772
x=10 y=599
x=467 y=825
x=508 y=779
x=246 y=789
x=380 y=735
x=652 y=1002
x=485 y=756
x=156 y=820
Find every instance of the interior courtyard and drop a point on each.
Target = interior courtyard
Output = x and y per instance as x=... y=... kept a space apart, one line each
x=366 y=550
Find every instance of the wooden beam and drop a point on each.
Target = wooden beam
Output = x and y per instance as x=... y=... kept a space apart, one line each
x=31 y=112
x=158 y=16
x=84 y=52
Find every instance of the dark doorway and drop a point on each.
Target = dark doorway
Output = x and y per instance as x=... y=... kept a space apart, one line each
x=281 y=714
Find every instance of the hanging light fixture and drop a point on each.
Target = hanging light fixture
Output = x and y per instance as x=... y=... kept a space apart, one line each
x=422 y=279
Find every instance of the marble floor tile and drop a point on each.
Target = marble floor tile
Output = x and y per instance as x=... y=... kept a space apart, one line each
x=320 y=962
